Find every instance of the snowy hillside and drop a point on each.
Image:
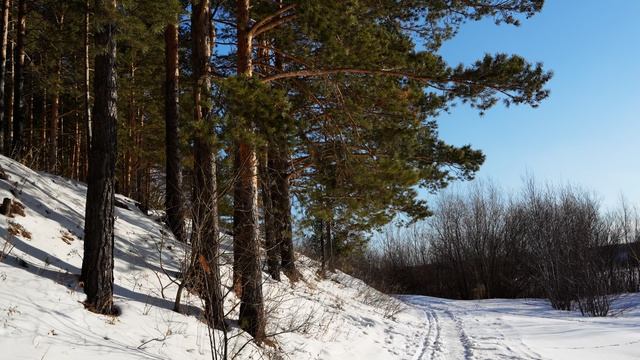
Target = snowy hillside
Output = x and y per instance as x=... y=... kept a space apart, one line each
x=41 y=315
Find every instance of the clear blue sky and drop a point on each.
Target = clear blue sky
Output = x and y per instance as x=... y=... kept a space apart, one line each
x=588 y=131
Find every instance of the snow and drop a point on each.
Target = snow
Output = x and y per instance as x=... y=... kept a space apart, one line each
x=42 y=316
x=527 y=329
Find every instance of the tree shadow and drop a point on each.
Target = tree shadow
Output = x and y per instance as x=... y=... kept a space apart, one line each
x=69 y=277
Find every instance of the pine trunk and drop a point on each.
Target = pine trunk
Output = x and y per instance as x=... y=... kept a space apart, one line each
x=330 y=249
x=97 y=265
x=53 y=126
x=18 y=83
x=29 y=132
x=8 y=110
x=245 y=214
x=323 y=249
x=43 y=126
x=174 y=200
x=282 y=210
x=4 y=37
x=270 y=244
x=87 y=94
x=77 y=148
x=205 y=236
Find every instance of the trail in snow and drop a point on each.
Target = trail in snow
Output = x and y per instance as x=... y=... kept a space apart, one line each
x=447 y=337
x=524 y=329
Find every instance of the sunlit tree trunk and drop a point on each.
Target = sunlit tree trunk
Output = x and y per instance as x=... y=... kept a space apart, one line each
x=247 y=274
x=8 y=100
x=4 y=38
x=205 y=236
x=18 y=82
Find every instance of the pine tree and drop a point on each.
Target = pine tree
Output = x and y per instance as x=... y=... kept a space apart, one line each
x=246 y=244
x=4 y=32
x=205 y=236
x=174 y=197
x=97 y=263
x=18 y=82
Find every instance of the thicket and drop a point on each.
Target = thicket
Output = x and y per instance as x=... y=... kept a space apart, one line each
x=546 y=241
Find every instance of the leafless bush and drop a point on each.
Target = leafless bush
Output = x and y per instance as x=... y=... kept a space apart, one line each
x=552 y=242
x=388 y=306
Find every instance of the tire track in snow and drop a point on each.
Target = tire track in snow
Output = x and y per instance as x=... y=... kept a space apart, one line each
x=427 y=339
x=433 y=346
x=466 y=342
x=433 y=342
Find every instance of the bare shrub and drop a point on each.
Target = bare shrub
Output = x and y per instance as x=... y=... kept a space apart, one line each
x=548 y=241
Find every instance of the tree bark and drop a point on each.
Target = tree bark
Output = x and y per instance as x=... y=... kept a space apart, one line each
x=87 y=93
x=205 y=236
x=97 y=264
x=323 y=250
x=4 y=38
x=54 y=122
x=18 y=83
x=245 y=214
x=29 y=115
x=43 y=124
x=8 y=110
x=77 y=148
x=174 y=200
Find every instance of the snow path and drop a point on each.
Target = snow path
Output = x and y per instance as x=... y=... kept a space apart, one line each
x=447 y=338
x=524 y=329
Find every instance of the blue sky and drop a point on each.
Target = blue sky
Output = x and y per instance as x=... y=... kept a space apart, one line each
x=588 y=132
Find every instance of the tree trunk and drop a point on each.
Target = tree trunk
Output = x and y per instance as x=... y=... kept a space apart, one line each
x=245 y=214
x=174 y=200
x=54 y=123
x=270 y=244
x=8 y=110
x=329 y=244
x=323 y=250
x=282 y=197
x=131 y=147
x=4 y=37
x=282 y=209
x=18 y=84
x=29 y=133
x=205 y=236
x=77 y=148
x=97 y=264
x=87 y=94
x=43 y=126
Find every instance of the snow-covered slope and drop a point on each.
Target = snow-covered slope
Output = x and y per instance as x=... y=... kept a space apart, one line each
x=41 y=315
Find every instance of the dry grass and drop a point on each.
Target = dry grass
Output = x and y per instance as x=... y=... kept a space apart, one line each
x=16 y=229
x=17 y=208
x=66 y=237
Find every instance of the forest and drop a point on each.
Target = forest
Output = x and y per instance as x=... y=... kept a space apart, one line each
x=234 y=116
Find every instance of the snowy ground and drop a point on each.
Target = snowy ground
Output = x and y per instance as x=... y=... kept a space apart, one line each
x=526 y=329
x=41 y=315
